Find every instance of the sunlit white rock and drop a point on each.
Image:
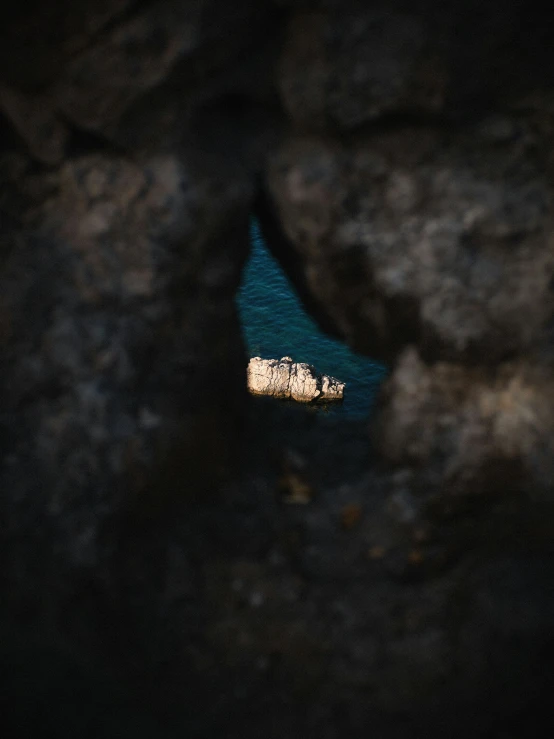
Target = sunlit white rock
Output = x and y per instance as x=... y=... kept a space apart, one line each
x=283 y=378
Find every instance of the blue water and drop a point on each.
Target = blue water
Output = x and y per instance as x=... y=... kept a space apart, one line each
x=276 y=325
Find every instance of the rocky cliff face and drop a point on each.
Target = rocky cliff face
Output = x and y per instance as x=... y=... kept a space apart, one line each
x=399 y=158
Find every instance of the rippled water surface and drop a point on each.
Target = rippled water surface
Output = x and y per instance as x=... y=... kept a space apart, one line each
x=276 y=325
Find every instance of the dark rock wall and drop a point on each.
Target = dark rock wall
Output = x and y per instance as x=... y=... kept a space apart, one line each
x=399 y=157
x=414 y=186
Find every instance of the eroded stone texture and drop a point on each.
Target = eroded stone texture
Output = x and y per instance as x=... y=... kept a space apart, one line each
x=421 y=215
x=346 y=64
x=350 y=65
x=269 y=376
x=411 y=201
x=96 y=63
x=118 y=321
x=471 y=431
x=287 y=379
x=331 y=388
x=424 y=237
x=411 y=189
x=122 y=357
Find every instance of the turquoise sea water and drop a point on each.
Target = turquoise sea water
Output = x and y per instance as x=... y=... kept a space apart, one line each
x=276 y=325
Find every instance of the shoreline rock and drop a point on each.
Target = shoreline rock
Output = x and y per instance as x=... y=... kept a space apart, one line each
x=283 y=378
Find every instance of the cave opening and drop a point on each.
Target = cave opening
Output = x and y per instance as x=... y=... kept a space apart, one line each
x=276 y=324
x=324 y=444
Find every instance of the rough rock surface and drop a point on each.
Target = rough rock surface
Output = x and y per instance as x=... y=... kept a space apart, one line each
x=489 y=433
x=417 y=212
x=441 y=239
x=400 y=158
x=287 y=379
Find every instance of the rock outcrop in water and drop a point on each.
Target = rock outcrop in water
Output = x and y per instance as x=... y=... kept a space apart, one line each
x=283 y=378
x=399 y=156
